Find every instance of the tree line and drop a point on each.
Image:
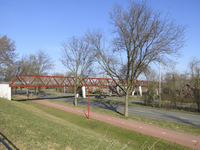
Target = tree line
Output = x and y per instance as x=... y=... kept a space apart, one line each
x=179 y=90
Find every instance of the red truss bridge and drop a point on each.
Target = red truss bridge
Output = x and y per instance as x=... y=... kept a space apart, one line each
x=62 y=81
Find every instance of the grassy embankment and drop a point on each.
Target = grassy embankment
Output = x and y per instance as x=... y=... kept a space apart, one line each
x=29 y=125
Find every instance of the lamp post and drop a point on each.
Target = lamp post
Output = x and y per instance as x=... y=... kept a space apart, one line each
x=160 y=80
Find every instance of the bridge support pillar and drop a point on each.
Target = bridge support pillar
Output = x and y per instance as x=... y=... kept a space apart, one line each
x=140 y=90
x=133 y=91
x=117 y=88
x=77 y=91
x=83 y=92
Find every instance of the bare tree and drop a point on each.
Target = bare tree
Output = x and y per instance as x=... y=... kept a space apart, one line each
x=77 y=57
x=27 y=64
x=44 y=62
x=194 y=65
x=152 y=85
x=140 y=34
x=35 y=64
x=7 y=55
x=173 y=87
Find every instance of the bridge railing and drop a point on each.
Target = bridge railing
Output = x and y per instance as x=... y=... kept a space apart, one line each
x=6 y=145
x=61 y=81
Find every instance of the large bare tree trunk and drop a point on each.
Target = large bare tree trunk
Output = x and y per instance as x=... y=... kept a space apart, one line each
x=126 y=102
x=75 y=100
x=126 y=105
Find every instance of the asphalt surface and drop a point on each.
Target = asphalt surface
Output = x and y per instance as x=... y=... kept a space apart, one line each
x=130 y=100
x=183 y=118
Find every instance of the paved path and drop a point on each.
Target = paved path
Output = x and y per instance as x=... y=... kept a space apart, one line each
x=162 y=133
x=183 y=118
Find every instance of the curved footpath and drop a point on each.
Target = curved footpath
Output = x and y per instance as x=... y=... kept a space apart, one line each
x=162 y=133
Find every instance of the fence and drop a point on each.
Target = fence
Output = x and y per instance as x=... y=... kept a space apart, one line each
x=6 y=145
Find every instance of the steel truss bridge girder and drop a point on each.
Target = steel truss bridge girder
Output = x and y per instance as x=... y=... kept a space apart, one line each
x=62 y=81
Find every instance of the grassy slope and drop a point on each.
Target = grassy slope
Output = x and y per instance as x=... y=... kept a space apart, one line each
x=29 y=125
x=161 y=123
x=32 y=128
x=165 y=124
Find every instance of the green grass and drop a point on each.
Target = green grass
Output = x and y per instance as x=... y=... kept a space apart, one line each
x=161 y=123
x=29 y=125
